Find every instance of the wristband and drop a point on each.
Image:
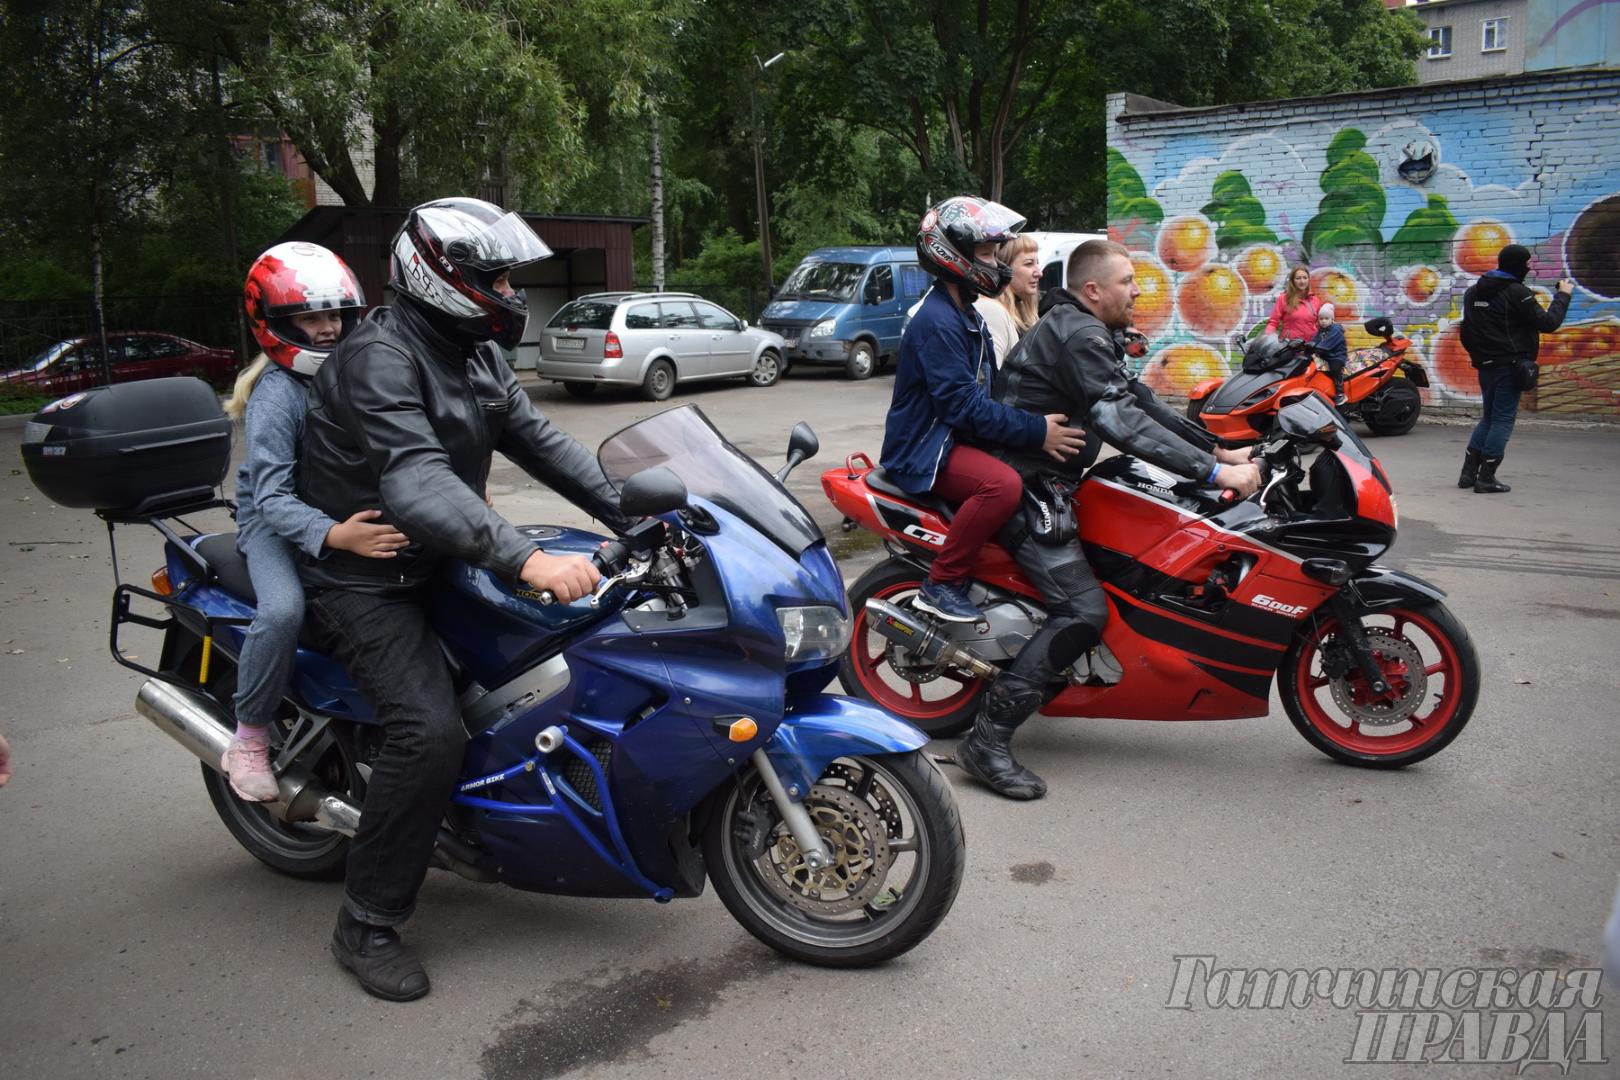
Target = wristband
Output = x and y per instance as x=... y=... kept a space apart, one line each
x=1214 y=471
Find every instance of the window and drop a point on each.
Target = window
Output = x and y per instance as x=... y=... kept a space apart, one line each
x=712 y=318
x=880 y=286
x=677 y=316
x=584 y=315
x=913 y=281
x=137 y=349
x=1439 y=42
x=1052 y=276
x=1493 y=35
x=641 y=317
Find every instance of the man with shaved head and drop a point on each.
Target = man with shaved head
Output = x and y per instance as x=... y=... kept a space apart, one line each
x=1073 y=362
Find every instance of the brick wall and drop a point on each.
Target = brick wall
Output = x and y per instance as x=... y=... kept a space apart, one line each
x=1217 y=203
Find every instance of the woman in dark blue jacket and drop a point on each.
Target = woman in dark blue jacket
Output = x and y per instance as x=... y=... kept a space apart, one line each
x=942 y=419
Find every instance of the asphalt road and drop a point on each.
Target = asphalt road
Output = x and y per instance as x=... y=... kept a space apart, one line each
x=137 y=939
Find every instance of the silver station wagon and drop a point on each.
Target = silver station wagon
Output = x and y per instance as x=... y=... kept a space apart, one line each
x=653 y=340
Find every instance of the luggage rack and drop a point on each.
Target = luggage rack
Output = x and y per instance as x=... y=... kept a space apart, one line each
x=157 y=512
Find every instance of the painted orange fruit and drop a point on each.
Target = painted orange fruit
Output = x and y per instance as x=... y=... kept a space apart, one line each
x=1420 y=284
x=1477 y=244
x=1451 y=364
x=1260 y=266
x=1156 y=304
x=1181 y=367
x=1212 y=301
x=1339 y=289
x=1186 y=242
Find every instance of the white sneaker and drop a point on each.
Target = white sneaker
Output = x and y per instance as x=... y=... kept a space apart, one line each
x=247 y=765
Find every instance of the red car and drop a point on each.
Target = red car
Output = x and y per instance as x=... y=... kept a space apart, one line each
x=75 y=364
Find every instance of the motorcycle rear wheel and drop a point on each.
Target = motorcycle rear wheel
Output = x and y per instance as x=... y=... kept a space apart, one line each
x=941 y=705
x=1406 y=732
x=1396 y=411
x=898 y=857
x=299 y=851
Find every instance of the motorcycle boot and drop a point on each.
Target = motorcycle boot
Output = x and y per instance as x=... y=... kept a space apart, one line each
x=986 y=753
x=1470 y=469
x=1486 y=482
x=385 y=966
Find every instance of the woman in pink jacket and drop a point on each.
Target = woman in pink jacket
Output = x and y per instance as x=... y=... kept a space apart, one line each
x=1294 y=314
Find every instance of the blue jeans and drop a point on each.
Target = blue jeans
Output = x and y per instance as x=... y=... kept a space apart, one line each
x=1501 y=396
x=266 y=662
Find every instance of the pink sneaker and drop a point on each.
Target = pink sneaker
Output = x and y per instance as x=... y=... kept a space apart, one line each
x=247 y=765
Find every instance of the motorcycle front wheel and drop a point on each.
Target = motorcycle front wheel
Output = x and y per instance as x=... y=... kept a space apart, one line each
x=897 y=855
x=1425 y=656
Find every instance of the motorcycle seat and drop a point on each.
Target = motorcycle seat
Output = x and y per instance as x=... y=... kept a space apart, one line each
x=878 y=480
x=229 y=565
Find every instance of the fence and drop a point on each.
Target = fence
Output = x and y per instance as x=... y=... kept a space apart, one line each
x=29 y=326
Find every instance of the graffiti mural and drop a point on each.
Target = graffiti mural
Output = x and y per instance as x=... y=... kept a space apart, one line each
x=1395 y=217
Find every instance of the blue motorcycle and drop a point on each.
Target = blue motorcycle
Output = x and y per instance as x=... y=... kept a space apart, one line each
x=670 y=728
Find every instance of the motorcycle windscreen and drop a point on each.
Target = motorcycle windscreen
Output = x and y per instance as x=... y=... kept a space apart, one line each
x=685 y=442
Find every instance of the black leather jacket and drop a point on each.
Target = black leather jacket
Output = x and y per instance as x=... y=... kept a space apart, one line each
x=1503 y=322
x=1070 y=363
x=403 y=419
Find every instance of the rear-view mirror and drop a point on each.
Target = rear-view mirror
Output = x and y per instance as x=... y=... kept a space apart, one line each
x=652 y=491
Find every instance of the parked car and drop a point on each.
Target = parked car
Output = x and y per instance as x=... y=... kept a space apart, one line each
x=653 y=340
x=75 y=364
x=846 y=306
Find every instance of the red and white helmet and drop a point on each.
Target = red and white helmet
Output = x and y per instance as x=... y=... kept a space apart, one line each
x=292 y=279
x=948 y=234
x=447 y=257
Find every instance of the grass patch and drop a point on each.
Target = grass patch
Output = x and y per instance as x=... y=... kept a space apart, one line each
x=24 y=404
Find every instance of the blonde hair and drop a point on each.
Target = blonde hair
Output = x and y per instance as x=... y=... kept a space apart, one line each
x=1025 y=310
x=236 y=404
x=1293 y=297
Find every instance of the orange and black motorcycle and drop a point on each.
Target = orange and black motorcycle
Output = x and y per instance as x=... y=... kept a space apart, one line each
x=1380 y=386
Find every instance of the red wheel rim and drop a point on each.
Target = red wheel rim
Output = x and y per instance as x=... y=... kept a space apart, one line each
x=866 y=649
x=1432 y=717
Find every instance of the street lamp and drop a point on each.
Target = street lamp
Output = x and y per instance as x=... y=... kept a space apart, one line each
x=759 y=174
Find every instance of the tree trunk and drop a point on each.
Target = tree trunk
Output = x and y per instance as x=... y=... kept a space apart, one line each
x=657 y=205
x=227 y=204
x=388 y=138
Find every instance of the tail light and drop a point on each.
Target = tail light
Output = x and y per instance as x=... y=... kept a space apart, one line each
x=160 y=582
x=611 y=349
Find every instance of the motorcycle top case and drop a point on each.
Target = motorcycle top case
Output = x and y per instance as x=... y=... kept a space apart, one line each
x=132 y=449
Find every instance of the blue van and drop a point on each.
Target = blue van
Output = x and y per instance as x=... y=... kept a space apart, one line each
x=846 y=306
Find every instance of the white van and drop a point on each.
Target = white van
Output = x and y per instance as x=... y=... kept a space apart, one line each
x=1053 y=249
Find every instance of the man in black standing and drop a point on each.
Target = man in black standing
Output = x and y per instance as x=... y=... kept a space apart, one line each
x=403 y=419
x=1501 y=329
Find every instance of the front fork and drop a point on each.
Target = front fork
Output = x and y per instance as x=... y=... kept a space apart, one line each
x=1360 y=648
x=794 y=814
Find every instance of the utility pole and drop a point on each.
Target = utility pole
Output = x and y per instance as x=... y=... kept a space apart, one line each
x=762 y=203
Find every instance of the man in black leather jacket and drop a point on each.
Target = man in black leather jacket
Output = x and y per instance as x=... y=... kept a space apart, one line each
x=1073 y=362
x=403 y=419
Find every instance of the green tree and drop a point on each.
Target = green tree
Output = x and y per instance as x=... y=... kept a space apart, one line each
x=1351 y=213
x=1239 y=217
x=1425 y=236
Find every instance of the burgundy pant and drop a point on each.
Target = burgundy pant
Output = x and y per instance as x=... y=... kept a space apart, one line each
x=988 y=490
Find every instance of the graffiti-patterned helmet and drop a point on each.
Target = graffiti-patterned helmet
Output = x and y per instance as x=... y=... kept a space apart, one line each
x=293 y=279
x=947 y=236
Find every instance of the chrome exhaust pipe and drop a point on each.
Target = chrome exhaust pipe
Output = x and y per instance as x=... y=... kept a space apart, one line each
x=198 y=724
x=923 y=640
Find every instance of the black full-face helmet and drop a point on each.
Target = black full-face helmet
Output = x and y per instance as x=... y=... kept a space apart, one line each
x=950 y=231
x=447 y=257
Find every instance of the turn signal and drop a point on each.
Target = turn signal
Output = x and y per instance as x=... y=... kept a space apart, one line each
x=611 y=349
x=743 y=730
x=160 y=582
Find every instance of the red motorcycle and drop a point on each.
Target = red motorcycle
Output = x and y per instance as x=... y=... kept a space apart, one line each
x=1380 y=386
x=1209 y=597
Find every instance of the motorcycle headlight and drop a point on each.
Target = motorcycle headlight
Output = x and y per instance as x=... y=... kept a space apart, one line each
x=813 y=633
x=824 y=328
